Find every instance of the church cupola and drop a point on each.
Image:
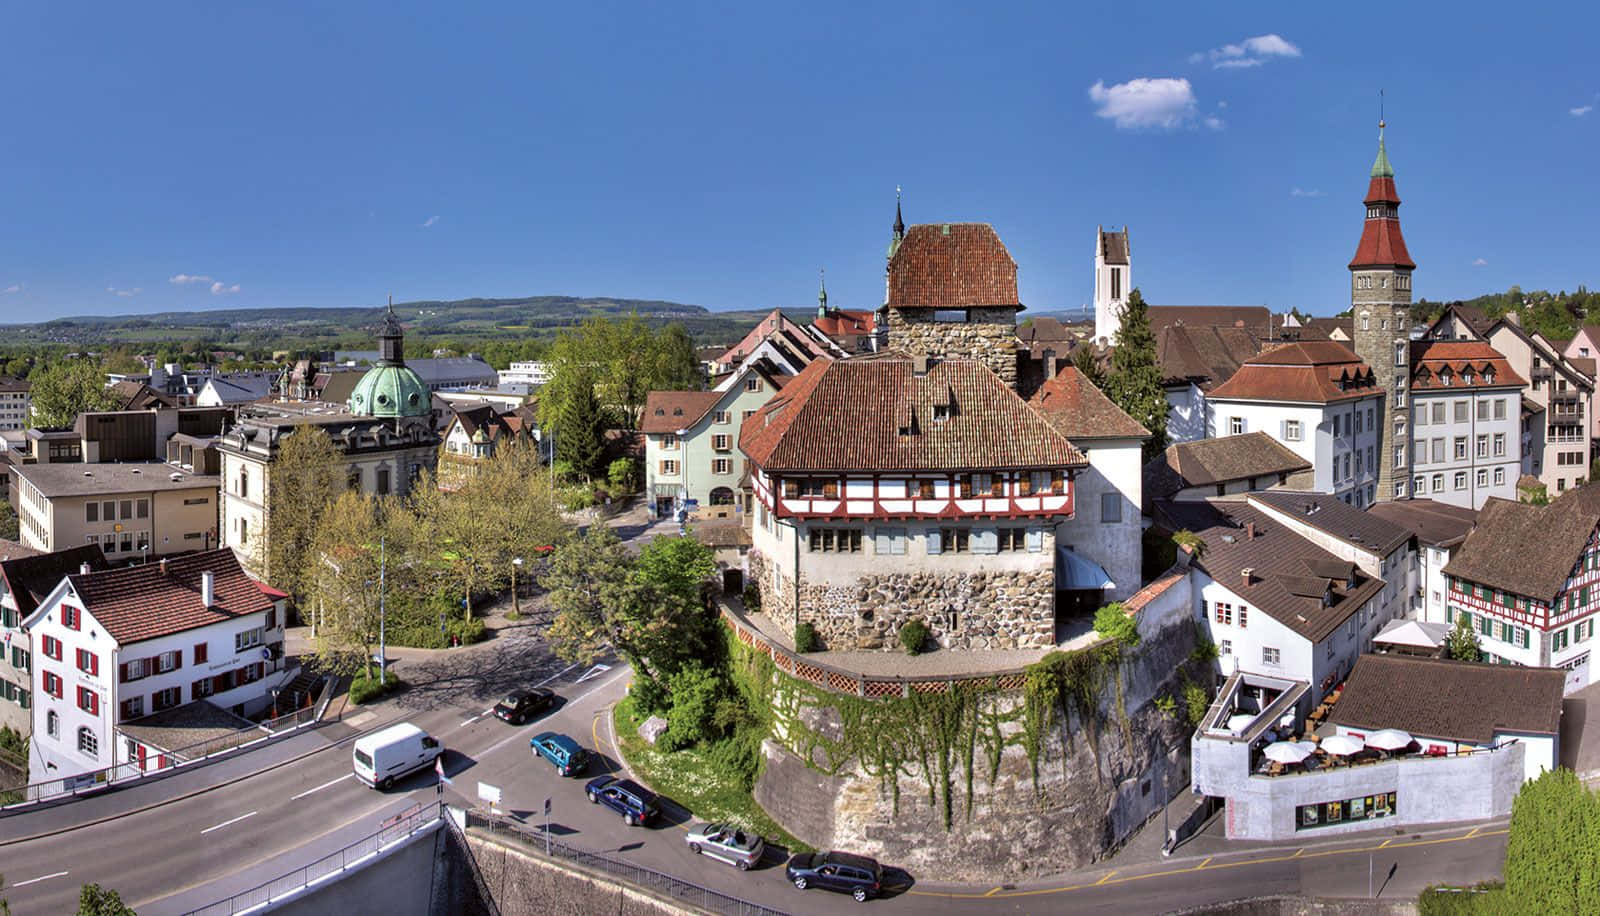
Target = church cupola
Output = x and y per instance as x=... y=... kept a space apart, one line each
x=391 y=340
x=1381 y=243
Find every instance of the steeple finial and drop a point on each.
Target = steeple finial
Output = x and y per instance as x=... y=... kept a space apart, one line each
x=899 y=223
x=1381 y=167
x=822 y=293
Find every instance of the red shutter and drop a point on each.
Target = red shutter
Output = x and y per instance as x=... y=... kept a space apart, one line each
x=122 y=672
x=94 y=665
x=177 y=659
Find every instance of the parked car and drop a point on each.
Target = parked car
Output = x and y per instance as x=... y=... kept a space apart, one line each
x=382 y=757
x=634 y=802
x=728 y=844
x=521 y=705
x=858 y=876
x=566 y=755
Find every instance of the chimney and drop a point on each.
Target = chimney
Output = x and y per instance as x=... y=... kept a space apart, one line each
x=1249 y=531
x=163 y=566
x=208 y=589
x=1248 y=575
x=83 y=569
x=919 y=365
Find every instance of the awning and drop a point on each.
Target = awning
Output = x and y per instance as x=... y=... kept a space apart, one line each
x=1076 y=571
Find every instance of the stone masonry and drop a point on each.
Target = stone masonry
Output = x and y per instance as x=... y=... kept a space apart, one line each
x=989 y=335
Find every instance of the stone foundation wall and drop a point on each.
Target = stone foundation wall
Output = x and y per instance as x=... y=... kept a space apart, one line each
x=988 y=335
x=985 y=610
x=1091 y=795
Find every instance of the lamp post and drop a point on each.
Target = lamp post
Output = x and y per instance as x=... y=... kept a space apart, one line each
x=383 y=659
x=516 y=602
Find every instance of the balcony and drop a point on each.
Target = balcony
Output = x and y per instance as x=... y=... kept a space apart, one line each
x=1541 y=373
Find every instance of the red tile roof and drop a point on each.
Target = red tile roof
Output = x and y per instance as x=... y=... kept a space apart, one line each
x=1205 y=355
x=1078 y=410
x=951 y=266
x=30 y=577
x=1431 y=357
x=135 y=603
x=877 y=414
x=844 y=322
x=1317 y=372
x=1381 y=243
x=670 y=411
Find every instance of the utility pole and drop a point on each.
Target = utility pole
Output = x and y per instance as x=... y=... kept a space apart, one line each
x=383 y=656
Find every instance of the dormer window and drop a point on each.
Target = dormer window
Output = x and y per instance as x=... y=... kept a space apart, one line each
x=1466 y=376
x=1445 y=377
x=941 y=413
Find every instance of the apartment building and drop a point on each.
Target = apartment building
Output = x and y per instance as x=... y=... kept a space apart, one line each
x=1438 y=530
x=691 y=441
x=1466 y=413
x=27 y=578
x=131 y=511
x=16 y=403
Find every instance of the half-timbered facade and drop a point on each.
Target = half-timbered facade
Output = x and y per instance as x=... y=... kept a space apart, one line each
x=895 y=488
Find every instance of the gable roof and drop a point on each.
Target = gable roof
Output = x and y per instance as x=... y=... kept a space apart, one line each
x=846 y=322
x=1430 y=358
x=951 y=266
x=877 y=414
x=1316 y=372
x=135 y=603
x=1044 y=331
x=1289 y=573
x=132 y=395
x=1433 y=523
x=1336 y=518
x=1454 y=700
x=30 y=578
x=1470 y=315
x=1211 y=461
x=1257 y=319
x=1206 y=355
x=1078 y=410
x=1497 y=553
x=670 y=411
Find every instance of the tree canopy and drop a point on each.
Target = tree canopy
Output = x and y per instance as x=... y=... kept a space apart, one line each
x=67 y=388
x=1134 y=383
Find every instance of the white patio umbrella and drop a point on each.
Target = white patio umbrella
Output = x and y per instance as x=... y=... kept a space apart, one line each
x=1310 y=746
x=1389 y=739
x=1240 y=721
x=1285 y=752
x=1341 y=745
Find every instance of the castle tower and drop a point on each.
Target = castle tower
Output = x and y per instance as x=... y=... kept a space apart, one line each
x=1380 y=299
x=953 y=295
x=1112 y=280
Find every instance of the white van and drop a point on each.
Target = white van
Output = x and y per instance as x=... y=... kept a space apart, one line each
x=383 y=757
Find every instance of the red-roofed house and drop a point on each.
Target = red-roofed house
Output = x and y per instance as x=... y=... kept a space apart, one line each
x=1320 y=401
x=953 y=294
x=691 y=439
x=1466 y=409
x=890 y=488
x=113 y=646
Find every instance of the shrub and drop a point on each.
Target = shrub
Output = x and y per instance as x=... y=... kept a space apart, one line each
x=913 y=635
x=623 y=475
x=364 y=689
x=1167 y=704
x=752 y=598
x=649 y=696
x=465 y=632
x=806 y=638
x=1114 y=623
x=1195 y=703
x=695 y=691
x=578 y=498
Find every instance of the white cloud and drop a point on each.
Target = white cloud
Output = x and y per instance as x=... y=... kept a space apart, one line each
x=1160 y=102
x=219 y=288
x=187 y=279
x=1302 y=192
x=428 y=223
x=1213 y=122
x=1252 y=52
x=1580 y=111
x=13 y=288
x=124 y=292
x=1479 y=262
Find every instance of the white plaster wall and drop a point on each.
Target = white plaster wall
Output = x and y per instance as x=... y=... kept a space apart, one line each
x=1472 y=496
x=1114 y=467
x=1186 y=414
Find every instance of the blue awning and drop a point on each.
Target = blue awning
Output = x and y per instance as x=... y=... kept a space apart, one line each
x=1076 y=571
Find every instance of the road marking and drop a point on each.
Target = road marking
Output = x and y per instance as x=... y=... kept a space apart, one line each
x=226 y=823
x=558 y=674
x=1107 y=876
x=1205 y=863
x=1387 y=842
x=331 y=782
x=1468 y=836
x=1298 y=853
x=523 y=730
x=38 y=879
x=470 y=721
x=994 y=890
x=595 y=671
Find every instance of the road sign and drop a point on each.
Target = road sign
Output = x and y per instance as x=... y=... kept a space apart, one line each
x=488 y=793
x=547 y=807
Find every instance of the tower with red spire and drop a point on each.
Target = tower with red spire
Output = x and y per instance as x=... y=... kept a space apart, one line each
x=1380 y=299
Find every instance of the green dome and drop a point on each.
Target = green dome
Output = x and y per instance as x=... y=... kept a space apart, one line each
x=390 y=391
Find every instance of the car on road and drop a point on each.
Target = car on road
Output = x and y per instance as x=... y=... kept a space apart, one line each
x=399 y=750
x=566 y=755
x=634 y=802
x=727 y=843
x=521 y=705
x=858 y=876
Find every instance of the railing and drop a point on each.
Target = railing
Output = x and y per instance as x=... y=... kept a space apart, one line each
x=401 y=826
x=95 y=780
x=1364 y=757
x=677 y=889
x=857 y=683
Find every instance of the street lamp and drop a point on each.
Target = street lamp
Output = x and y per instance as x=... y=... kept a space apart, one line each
x=516 y=602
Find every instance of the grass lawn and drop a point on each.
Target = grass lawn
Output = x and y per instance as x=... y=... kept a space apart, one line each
x=689 y=778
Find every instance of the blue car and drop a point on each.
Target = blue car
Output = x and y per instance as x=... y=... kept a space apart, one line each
x=566 y=755
x=634 y=802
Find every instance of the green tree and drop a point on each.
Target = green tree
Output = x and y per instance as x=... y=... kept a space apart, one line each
x=9 y=527
x=303 y=479
x=1086 y=362
x=596 y=600
x=1462 y=643
x=570 y=409
x=1553 y=850
x=94 y=900
x=1134 y=382
x=67 y=388
x=343 y=586
x=670 y=573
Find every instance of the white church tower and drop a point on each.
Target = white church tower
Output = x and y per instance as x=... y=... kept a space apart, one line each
x=1111 y=281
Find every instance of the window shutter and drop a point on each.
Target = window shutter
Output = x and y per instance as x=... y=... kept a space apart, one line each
x=934 y=541
x=1035 y=540
x=880 y=542
x=122 y=671
x=177 y=659
x=985 y=540
x=94 y=665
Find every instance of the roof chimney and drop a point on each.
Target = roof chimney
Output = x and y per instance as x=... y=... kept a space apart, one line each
x=919 y=364
x=163 y=566
x=1249 y=531
x=208 y=588
x=1248 y=575
x=83 y=569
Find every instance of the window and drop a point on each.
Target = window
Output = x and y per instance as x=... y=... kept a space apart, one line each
x=88 y=743
x=1460 y=480
x=166 y=699
x=1499 y=476
x=1235 y=426
x=722 y=466
x=1222 y=613
x=71 y=617
x=108 y=511
x=669 y=467
x=1270 y=656
x=141 y=509
x=1291 y=430
x=1459 y=446
x=1358 y=464
x=21 y=659
x=1461 y=411
x=1116 y=283
x=244 y=531
x=91 y=512
x=955 y=540
x=1438 y=411
x=925 y=489
x=200 y=688
x=722 y=442
x=168 y=661
x=752 y=383
x=1244 y=617
x=383 y=482
x=135 y=669
x=1499 y=408
x=51 y=647
x=52 y=724
x=1400 y=456
x=1483 y=477
x=1499 y=445
x=88 y=662
x=1399 y=353
x=88 y=701
x=1224 y=647
x=1110 y=507
x=1400 y=489
x=723 y=416
x=132 y=708
x=1012 y=540
x=669 y=441
x=1437 y=450
x=835 y=540
x=1437 y=483
x=889 y=541
x=1483 y=446
x=247 y=639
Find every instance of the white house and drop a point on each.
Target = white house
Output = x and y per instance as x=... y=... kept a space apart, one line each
x=691 y=440
x=1320 y=401
x=1439 y=529
x=1466 y=422
x=113 y=647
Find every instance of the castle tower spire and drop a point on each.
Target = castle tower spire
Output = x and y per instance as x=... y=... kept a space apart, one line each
x=822 y=293
x=1380 y=300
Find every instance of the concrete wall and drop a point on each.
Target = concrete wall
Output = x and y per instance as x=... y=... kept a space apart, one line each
x=525 y=884
x=1186 y=414
x=1088 y=800
x=1317 y=442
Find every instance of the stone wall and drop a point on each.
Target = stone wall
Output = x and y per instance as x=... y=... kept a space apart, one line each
x=988 y=335
x=524 y=884
x=983 y=610
x=1090 y=796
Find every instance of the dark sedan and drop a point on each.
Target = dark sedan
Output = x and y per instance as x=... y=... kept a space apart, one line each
x=521 y=705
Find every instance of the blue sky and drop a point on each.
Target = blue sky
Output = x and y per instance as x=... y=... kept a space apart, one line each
x=160 y=156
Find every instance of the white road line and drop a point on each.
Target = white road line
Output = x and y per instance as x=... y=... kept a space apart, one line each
x=331 y=782
x=467 y=722
x=557 y=674
x=593 y=672
x=38 y=879
x=234 y=821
